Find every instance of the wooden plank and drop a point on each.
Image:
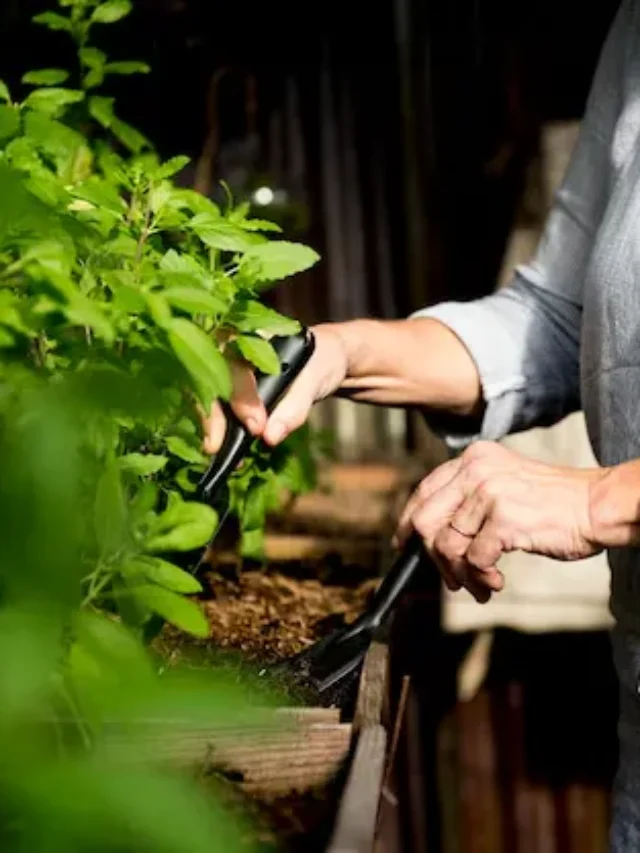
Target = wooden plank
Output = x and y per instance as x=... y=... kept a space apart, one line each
x=357 y=816
x=373 y=687
x=482 y=830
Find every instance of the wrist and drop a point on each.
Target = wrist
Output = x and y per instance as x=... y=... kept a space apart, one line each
x=614 y=506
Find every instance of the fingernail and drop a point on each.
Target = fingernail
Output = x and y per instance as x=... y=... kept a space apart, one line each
x=277 y=431
x=252 y=425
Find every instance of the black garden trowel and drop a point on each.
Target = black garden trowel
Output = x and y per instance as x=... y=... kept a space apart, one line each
x=328 y=671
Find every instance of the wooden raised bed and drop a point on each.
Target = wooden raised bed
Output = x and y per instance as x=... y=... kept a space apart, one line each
x=342 y=767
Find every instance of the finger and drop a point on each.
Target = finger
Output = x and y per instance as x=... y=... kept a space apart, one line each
x=479 y=591
x=486 y=549
x=450 y=580
x=470 y=517
x=437 y=511
x=245 y=400
x=214 y=426
x=292 y=411
x=492 y=578
x=439 y=477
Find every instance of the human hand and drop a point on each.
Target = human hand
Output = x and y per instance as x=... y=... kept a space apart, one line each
x=490 y=501
x=324 y=373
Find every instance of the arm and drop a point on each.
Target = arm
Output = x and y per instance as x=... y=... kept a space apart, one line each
x=513 y=356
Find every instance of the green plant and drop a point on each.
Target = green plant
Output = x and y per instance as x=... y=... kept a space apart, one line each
x=122 y=298
x=110 y=271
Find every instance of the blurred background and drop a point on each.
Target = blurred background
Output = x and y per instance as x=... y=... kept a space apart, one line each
x=416 y=145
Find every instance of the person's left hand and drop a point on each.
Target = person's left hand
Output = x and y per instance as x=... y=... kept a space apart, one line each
x=490 y=501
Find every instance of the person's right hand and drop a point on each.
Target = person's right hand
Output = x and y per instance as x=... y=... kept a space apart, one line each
x=325 y=372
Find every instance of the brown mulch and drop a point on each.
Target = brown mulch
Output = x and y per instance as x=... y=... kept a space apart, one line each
x=269 y=615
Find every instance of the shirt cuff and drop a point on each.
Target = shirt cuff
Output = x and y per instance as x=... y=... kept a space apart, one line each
x=491 y=346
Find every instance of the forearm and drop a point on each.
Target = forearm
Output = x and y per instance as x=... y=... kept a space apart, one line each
x=614 y=506
x=416 y=362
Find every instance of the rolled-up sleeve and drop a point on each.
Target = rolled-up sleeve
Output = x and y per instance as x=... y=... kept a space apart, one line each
x=525 y=338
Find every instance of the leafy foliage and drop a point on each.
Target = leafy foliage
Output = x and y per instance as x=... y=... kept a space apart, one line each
x=121 y=297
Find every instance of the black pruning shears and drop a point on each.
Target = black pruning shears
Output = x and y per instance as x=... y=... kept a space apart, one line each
x=293 y=351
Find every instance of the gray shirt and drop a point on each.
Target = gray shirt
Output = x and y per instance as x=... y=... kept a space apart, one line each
x=565 y=333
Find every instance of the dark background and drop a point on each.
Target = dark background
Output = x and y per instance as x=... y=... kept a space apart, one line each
x=400 y=131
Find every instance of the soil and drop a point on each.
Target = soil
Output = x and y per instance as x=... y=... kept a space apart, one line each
x=268 y=614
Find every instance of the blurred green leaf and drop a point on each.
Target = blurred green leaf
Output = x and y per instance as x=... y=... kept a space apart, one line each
x=53 y=21
x=127 y=68
x=171 y=167
x=92 y=57
x=164 y=573
x=179 y=447
x=101 y=109
x=128 y=135
x=110 y=516
x=142 y=464
x=183 y=526
x=111 y=11
x=181 y=612
x=46 y=77
x=9 y=122
x=4 y=91
x=52 y=101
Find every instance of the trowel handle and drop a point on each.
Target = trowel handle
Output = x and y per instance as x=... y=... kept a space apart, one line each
x=294 y=351
x=412 y=556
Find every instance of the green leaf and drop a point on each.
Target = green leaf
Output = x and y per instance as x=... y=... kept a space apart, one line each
x=53 y=21
x=52 y=101
x=201 y=358
x=217 y=233
x=4 y=91
x=260 y=353
x=93 y=78
x=142 y=464
x=109 y=512
x=159 y=309
x=179 y=447
x=260 y=225
x=181 y=612
x=101 y=193
x=249 y=315
x=127 y=298
x=85 y=312
x=165 y=574
x=46 y=77
x=277 y=259
x=101 y=109
x=127 y=68
x=183 y=526
x=252 y=544
x=194 y=300
x=111 y=11
x=129 y=136
x=92 y=57
x=123 y=245
x=9 y=122
x=255 y=507
x=171 y=167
